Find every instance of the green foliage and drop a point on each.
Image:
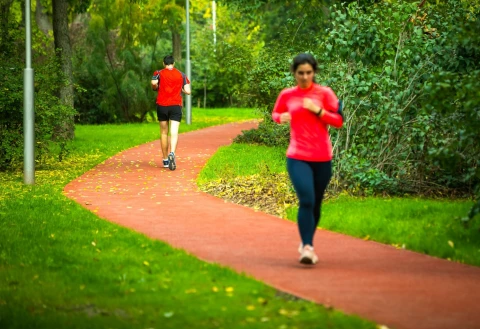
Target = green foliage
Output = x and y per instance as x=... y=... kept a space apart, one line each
x=267 y=134
x=408 y=78
x=220 y=70
x=267 y=77
x=115 y=57
x=49 y=113
x=454 y=97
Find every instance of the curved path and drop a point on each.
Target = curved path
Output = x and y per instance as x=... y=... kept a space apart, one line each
x=397 y=288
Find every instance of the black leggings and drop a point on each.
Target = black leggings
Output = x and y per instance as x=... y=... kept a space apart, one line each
x=310 y=179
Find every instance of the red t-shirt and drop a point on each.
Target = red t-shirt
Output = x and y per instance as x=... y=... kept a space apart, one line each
x=309 y=138
x=171 y=82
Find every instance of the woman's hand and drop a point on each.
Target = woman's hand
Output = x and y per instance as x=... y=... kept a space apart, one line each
x=310 y=105
x=285 y=117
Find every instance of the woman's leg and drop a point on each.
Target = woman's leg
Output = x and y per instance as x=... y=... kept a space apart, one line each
x=301 y=175
x=322 y=172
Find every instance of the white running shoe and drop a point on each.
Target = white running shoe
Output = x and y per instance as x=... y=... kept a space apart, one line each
x=308 y=256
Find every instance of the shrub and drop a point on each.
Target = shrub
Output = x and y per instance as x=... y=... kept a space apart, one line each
x=48 y=112
x=388 y=63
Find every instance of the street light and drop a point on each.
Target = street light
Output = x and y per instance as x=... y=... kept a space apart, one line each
x=214 y=18
x=189 y=69
x=28 y=108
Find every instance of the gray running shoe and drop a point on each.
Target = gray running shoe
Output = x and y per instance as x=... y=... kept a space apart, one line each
x=171 y=161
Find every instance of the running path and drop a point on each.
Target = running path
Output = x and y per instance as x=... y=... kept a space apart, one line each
x=398 y=288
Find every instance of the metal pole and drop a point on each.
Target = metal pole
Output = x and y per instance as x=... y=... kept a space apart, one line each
x=28 y=105
x=189 y=68
x=214 y=15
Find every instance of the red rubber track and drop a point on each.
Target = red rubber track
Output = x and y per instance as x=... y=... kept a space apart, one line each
x=397 y=288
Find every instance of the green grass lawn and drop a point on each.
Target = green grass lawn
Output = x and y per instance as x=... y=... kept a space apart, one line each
x=63 y=267
x=428 y=226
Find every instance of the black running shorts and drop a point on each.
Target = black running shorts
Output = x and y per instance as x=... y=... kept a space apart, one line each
x=167 y=113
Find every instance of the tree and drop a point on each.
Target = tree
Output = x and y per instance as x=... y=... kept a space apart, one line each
x=220 y=70
x=63 y=51
x=4 y=18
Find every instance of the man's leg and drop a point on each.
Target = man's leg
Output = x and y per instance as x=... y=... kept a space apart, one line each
x=175 y=115
x=164 y=142
x=174 y=125
x=162 y=115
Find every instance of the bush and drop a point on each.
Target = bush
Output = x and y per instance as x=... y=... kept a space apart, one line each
x=48 y=112
x=408 y=78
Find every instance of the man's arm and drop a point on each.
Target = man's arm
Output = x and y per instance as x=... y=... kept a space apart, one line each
x=187 y=89
x=154 y=84
x=186 y=84
x=155 y=80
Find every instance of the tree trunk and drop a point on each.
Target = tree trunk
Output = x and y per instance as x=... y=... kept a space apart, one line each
x=64 y=54
x=176 y=46
x=42 y=19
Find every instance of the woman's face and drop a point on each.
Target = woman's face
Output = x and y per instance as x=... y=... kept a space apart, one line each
x=304 y=75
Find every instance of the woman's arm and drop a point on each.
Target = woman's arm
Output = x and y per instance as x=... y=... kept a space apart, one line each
x=328 y=111
x=280 y=112
x=331 y=118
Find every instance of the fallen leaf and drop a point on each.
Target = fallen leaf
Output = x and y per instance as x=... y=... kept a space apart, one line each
x=168 y=314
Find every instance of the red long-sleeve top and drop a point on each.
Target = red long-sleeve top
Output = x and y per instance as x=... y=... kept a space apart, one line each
x=309 y=138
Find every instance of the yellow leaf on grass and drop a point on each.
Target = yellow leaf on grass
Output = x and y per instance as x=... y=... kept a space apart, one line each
x=366 y=238
x=146 y=263
x=93 y=243
x=250 y=307
x=450 y=243
x=229 y=289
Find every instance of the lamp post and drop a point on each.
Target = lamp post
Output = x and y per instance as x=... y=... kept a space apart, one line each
x=28 y=105
x=189 y=68
x=214 y=18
